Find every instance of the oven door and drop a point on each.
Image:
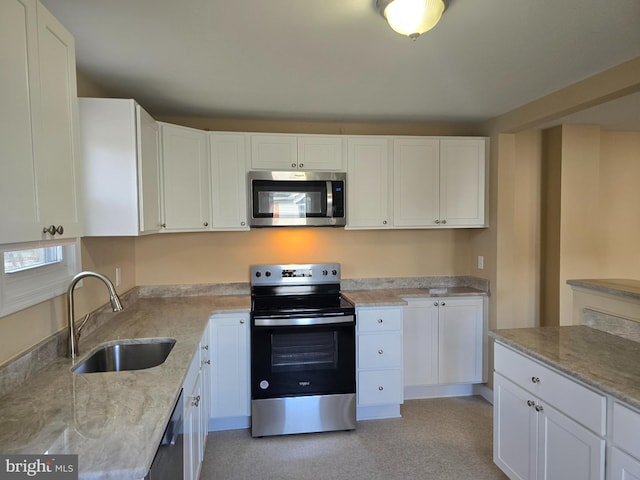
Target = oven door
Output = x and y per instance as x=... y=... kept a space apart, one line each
x=299 y=357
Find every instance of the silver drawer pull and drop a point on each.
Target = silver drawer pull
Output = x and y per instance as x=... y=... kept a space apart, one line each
x=539 y=408
x=380 y=352
x=530 y=403
x=381 y=388
x=379 y=320
x=535 y=380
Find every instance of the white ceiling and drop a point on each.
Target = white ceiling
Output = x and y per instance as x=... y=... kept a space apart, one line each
x=338 y=59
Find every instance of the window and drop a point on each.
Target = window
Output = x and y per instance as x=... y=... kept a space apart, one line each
x=34 y=272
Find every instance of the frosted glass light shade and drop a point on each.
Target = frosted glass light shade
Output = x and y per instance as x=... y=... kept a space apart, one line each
x=411 y=17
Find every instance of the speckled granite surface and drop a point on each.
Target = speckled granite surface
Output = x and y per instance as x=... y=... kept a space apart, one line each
x=113 y=421
x=619 y=287
x=606 y=362
x=396 y=296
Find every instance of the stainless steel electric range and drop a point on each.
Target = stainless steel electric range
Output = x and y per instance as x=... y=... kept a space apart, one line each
x=302 y=351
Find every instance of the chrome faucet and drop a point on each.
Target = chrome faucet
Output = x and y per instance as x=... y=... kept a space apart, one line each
x=74 y=335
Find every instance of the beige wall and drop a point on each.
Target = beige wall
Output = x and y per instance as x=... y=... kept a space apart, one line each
x=225 y=256
x=503 y=242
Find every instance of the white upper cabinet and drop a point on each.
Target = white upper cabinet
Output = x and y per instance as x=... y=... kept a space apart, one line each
x=439 y=182
x=38 y=121
x=462 y=182
x=121 y=174
x=185 y=179
x=368 y=182
x=416 y=179
x=296 y=152
x=229 y=180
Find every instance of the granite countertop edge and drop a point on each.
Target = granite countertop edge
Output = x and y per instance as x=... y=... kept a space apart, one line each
x=610 y=368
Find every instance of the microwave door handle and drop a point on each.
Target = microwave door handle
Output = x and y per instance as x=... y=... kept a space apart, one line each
x=329 y=199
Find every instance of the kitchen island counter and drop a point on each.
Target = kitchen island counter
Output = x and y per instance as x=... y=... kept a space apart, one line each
x=114 y=421
x=606 y=362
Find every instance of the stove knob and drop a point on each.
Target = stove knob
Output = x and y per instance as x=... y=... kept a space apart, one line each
x=258 y=274
x=334 y=272
x=324 y=272
x=268 y=274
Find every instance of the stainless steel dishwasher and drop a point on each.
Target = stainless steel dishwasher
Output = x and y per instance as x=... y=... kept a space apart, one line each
x=168 y=463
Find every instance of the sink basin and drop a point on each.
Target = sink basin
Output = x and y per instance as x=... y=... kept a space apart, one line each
x=126 y=355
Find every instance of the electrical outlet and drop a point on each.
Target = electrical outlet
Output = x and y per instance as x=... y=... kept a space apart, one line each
x=480 y=262
x=117 y=276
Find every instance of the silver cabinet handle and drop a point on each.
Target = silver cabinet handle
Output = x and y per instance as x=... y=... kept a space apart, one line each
x=443 y=304
x=444 y=222
x=539 y=408
x=196 y=401
x=436 y=221
x=163 y=225
x=381 y=388
x=207 y=362
x=300 y=165
x=384 y=222
x=205 y=347
x=206 y=224
x=380 y=352
x=535 y=380
x=379 y=320
x=242 y=321
x=293 y=165
x=243 y=223
x=435 y=304
x=530 y=403
x=59 y=230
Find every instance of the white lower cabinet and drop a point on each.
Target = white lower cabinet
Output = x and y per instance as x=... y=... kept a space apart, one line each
x=379 y=362
x=230 y=405
x=444 y=342
x=533 y=437
x=196 y=397
x=625 y=453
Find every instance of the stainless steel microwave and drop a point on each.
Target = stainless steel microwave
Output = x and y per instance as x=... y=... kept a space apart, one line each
x=296 y=199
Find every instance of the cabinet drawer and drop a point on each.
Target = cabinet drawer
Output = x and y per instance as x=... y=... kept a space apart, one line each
x=626 y=429
x=380 y=351
x=380 y=387
x=379 y=320
x=579 y=402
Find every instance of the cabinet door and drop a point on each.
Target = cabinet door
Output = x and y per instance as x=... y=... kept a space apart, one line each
x=514 y=430
x=368 y=183
x=416 y=182
x=624 y=467
x=320 y=152
x=57 y=143
x=229 y=181
x=185 y=179
x=462 y=181
x=192 y=431
x=148 y=172
x=274 y=152
x=566 y=449
x=230 y=394
x=460 y=347
x=20 y=95
x=420 y=349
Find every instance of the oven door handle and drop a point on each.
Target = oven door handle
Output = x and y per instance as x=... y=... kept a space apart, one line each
x=294 y=322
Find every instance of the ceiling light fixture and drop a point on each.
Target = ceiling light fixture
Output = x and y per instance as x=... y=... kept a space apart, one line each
x=411 y=17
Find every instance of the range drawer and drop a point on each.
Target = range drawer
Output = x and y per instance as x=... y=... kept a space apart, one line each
x=577 y=401
x=380 y=351
x=626 y=429
x=382 y=387
x=379 y=319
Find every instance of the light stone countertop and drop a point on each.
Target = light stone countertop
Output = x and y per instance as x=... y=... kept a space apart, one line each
x=620 y=287
x=113 y=421
x=396 y=296
x=606 y=362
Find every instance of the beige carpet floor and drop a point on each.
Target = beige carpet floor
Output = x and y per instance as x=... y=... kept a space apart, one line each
x=445 y=438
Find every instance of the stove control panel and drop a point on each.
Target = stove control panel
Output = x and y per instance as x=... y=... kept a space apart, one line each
x=308 y=274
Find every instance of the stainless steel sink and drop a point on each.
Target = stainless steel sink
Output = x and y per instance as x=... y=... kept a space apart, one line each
x=126 y=355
